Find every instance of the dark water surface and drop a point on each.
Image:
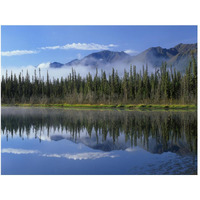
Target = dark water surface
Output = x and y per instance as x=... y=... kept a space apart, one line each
x=63 y=141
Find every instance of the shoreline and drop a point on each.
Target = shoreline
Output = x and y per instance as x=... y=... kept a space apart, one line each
x=112 y=106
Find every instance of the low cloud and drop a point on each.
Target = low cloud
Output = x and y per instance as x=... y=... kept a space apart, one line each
x=66 y=70
x=44 y=65
x=131 y=52
x=81 y=46
x=17 y=52
x=53 y=72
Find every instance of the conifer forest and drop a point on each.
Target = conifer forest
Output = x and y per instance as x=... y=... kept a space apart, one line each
x=164 y=85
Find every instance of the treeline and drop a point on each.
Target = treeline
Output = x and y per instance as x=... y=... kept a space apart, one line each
x=165 y=85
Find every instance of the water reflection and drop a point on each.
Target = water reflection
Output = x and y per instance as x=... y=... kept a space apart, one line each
x=154 y=131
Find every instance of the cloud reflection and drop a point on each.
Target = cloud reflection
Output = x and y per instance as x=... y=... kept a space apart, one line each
x=82 y=156
x=19 y=151
x=130 y=149
x=78 y=156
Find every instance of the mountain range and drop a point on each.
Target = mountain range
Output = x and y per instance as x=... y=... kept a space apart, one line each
x=178 y=56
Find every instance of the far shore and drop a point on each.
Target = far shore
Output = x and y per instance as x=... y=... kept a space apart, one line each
x=112 y=106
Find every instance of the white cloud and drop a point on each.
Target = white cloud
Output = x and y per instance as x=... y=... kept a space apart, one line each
x=43 y=65
x=78 y=46
x=132 y=52
x=18 y=151
x=82 y=156
x=17 y=52
x=82 y=46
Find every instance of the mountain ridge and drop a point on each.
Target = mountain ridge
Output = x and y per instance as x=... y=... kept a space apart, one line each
x=178 y=56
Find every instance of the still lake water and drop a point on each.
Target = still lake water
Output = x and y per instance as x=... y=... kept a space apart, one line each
x=69 y=141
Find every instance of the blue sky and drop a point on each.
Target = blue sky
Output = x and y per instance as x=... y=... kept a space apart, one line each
x=32 y=45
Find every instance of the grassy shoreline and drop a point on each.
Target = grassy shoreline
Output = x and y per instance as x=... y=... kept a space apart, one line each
x=116 y=106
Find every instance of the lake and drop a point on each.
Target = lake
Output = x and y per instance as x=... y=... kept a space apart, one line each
x=108 y=142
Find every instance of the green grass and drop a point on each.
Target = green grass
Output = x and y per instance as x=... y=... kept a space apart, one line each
x=117 y=106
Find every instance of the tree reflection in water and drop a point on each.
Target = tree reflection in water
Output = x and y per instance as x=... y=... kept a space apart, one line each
x=155 y=131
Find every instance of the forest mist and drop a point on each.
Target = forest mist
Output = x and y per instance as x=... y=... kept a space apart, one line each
x=164 y=85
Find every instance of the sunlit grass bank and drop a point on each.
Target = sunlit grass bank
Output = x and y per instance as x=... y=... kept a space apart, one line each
x=104 y=106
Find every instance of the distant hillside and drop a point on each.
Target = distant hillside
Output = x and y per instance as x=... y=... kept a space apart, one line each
x=56 y=65
x=178 y=56
x=100 y=58
x=97 y=59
